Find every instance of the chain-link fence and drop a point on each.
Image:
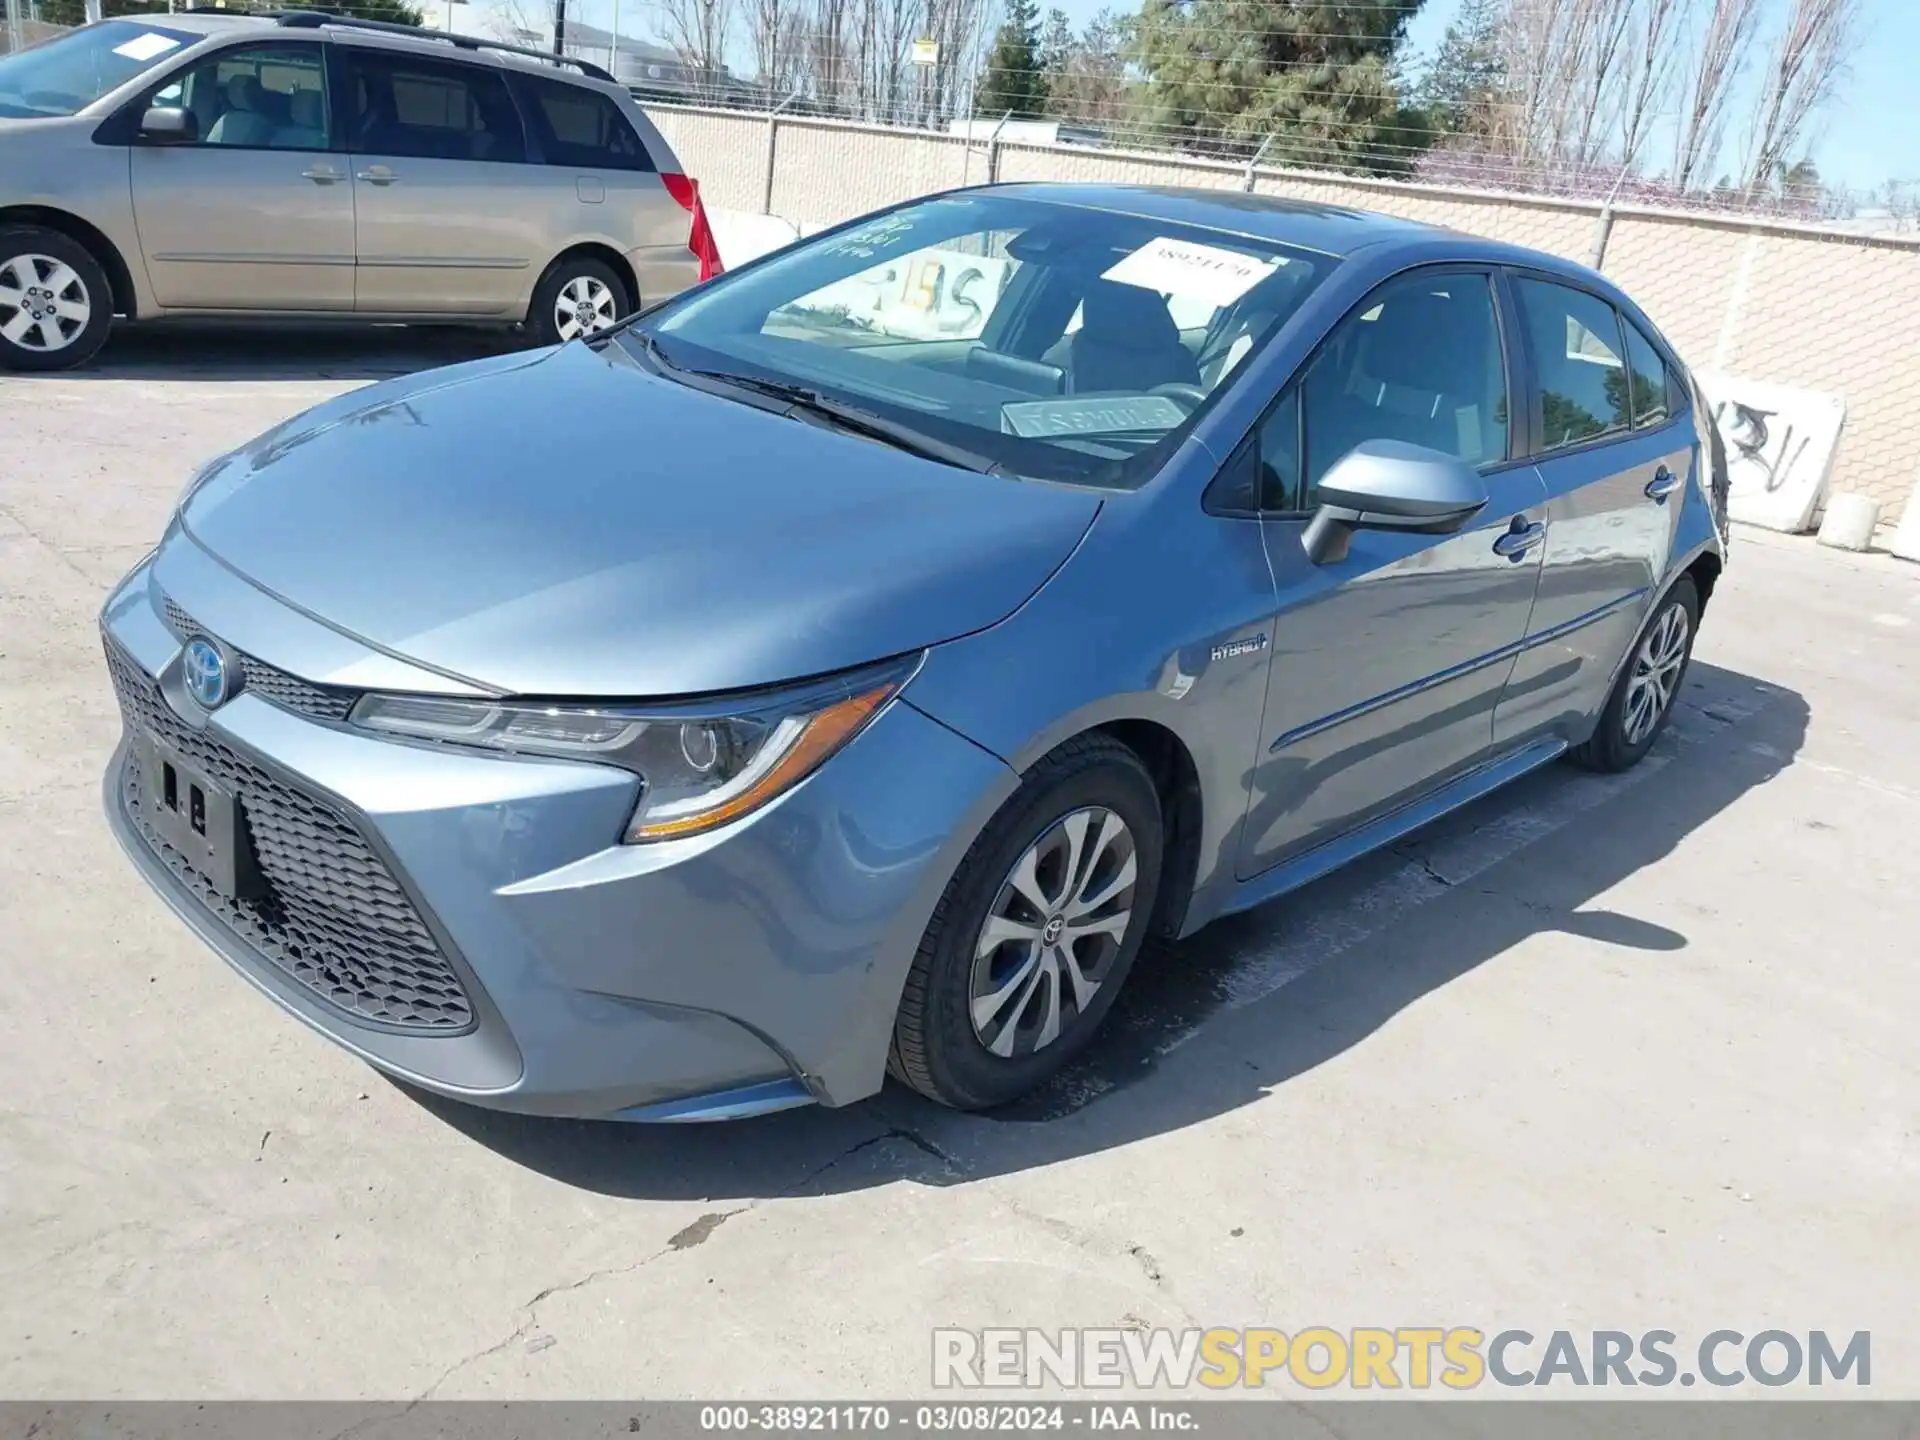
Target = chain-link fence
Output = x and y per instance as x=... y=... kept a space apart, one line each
x=23 y=25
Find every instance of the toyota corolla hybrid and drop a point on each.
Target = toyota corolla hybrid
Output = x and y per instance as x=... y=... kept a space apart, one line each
x=842 y=668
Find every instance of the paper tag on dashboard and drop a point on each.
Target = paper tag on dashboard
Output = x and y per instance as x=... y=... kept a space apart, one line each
x=1184 y=267
x=145 y=47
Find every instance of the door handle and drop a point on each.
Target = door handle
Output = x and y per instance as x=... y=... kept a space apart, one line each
x=321 y=174
x=1518 y=540
x=1663 y=484
x=377 y=175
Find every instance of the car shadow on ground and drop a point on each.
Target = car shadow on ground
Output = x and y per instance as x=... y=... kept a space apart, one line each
x=1254 y=1000
x=255 y=351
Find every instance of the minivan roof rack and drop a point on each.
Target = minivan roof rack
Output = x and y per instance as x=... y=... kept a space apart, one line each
x=314 y=19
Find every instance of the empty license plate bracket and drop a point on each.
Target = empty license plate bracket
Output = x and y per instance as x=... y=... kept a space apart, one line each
x=198 y=818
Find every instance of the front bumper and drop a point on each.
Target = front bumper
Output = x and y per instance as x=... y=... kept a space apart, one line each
x=733 y=973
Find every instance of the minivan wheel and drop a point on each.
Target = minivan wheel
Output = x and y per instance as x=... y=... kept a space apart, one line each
x=1642 y=699
x=1036 y=931
x=576 y=297
x=55 y=303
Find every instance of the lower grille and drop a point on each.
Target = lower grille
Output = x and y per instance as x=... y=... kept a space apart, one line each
x=333 y=917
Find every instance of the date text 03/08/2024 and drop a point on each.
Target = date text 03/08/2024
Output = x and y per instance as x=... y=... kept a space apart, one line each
x=942 y=1418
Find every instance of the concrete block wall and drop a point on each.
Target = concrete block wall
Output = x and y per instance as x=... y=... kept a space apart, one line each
x=1783 y=303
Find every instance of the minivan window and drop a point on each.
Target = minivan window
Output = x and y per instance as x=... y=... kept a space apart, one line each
x=431 y=109
x=1057 y=341
x=266 y=97
x=580 y=128
x=64 y=75
x=1420 y=361
x=1647 y=374
x=1575 y=338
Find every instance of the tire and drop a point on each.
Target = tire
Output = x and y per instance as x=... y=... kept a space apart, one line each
x=1624 y=733
x=56 y=305
x=1062 y=808
x=588 y=288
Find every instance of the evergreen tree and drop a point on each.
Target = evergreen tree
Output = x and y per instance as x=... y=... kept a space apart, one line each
x=1466 y=74
x=1014 y=80
x=1312 y=78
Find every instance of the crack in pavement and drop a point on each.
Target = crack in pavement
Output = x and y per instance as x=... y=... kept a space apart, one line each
x=686 y=1238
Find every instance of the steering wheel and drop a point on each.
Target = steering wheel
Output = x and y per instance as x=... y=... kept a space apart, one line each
x=1180 y=390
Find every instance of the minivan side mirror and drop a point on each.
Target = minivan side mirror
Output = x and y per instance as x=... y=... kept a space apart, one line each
x=1391 y=485
x=170 y=123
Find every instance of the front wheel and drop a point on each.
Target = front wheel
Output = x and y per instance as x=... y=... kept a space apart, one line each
x=1642 y=699
x=578 y=296
x=55 y=303
x=1036 y=931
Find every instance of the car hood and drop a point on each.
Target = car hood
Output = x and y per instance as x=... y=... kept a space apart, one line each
x=565 y=523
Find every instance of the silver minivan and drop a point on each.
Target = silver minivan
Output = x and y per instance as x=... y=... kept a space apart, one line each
x=309 y=166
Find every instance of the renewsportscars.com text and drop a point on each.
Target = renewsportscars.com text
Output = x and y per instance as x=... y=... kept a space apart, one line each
x=1403 y=1357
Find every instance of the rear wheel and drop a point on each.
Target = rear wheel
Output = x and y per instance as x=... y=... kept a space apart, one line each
x=1642 y=699
x=578 y=296
x=55 y=303
x=1036 y=931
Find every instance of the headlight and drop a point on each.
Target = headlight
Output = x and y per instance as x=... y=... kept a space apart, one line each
x=700 y=765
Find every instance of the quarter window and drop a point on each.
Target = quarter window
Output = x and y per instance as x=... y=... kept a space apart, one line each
x=581 y=128
x=1576 y=345
x=432 y=109
x=1647 y=375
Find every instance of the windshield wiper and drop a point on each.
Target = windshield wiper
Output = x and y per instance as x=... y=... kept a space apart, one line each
x=806 y=400
x=858 y=421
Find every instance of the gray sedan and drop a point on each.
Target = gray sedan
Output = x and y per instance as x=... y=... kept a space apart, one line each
x=844 y=667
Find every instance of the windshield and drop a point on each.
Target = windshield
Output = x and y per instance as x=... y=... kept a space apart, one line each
x=66 y=74
x=1055 y=341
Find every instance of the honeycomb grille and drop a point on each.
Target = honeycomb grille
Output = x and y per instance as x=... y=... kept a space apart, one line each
x=333 y=917
x=289 y=692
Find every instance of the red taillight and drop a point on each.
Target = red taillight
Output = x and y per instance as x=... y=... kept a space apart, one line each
x=686 y=194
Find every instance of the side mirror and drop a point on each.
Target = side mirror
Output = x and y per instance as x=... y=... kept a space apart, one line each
x=170 y=123
x=1391 y=485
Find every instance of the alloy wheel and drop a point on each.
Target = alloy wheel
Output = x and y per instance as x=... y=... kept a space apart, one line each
x=585 y=305
x=1053 y=932
x=1656 y=674
x=44 y=305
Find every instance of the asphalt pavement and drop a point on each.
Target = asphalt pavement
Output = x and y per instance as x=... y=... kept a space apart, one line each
x=1628 y=1052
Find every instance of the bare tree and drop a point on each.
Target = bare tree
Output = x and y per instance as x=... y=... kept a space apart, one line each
x=1599 y=73
x=1807 y=59
x=776 y=34
x=1713 y=71
x=698 y=30
x=1652 y=50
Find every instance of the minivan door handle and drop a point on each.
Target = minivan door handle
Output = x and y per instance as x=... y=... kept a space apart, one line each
x=377 y=175
x=1663 y=484
x=321 y=174
x=1521 y=538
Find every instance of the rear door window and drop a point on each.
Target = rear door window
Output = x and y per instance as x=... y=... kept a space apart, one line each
x=1577 y=363
x=431 y=109
x=580 y=128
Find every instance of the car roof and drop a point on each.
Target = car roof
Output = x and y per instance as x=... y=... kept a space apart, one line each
x=1329 y=229
x=427 y=40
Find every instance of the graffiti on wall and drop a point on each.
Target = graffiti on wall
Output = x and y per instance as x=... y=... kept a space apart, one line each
x=1780 y=443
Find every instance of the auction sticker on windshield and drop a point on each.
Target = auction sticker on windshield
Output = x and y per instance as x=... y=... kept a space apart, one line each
x=1187 y=268
x=147 y=46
